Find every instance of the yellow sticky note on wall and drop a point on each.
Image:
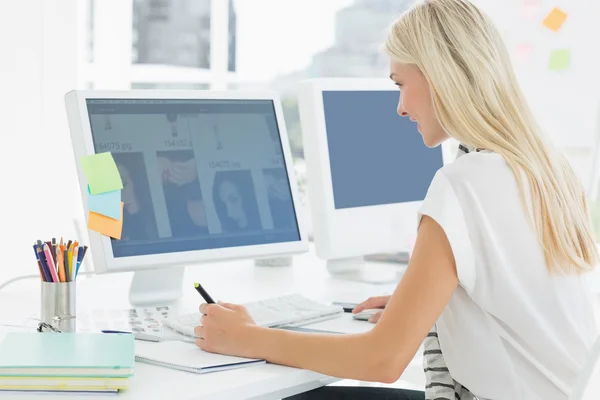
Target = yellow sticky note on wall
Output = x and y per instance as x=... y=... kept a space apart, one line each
x=555 y=20
x=560 y=60
x=106 y=226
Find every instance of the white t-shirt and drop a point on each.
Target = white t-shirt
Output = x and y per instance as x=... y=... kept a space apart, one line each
x=511 y=330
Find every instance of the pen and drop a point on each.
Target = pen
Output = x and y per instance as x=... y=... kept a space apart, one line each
x=66 y=262
x=203 y=293
x=40 y=264
x=42 y=259
x=42 y=276
x=84 y=250
x=138 y=335
x=79 y=260
x=74 y=267
x=51 y=265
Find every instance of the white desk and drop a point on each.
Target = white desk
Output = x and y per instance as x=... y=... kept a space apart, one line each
x=234 y=282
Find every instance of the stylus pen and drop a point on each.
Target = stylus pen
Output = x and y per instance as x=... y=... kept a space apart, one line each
x=203 y=293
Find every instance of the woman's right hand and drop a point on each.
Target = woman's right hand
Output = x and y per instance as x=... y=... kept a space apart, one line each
x=372 y=302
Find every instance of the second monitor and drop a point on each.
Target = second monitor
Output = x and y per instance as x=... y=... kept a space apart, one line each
x=368 y=171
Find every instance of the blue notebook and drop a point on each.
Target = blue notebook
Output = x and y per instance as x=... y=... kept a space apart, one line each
x=67 y=354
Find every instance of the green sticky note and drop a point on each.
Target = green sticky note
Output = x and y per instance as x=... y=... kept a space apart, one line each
x=101 y=173
x=560 y=60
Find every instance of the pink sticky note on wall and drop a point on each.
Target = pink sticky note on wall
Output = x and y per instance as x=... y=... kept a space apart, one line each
x=529 y=8
x=524 y=51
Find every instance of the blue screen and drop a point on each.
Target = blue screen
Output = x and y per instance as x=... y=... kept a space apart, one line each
x=376 y=157
x=197 y=174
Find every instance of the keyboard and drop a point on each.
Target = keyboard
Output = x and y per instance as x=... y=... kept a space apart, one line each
x=288 y=310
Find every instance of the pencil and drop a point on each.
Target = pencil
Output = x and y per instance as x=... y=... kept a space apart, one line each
x=61 y=266
x=70 y=252
x=52 y=253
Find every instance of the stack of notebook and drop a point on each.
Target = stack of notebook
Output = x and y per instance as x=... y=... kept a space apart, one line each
x=66 y=362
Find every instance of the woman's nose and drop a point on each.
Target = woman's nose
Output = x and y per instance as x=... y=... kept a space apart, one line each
x=401 y=111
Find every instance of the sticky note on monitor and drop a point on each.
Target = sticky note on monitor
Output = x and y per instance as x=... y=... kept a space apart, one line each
x=560 y=60
x=101 y=173
x=106 y=226
x=555 y=20
x=108 y=203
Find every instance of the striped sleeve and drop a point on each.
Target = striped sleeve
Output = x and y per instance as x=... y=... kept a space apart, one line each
x=439 y=384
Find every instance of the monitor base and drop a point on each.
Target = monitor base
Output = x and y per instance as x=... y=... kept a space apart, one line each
x=356 y=269
x=159 y=286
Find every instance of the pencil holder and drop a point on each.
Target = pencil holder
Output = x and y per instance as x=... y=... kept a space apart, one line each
x=58 y=305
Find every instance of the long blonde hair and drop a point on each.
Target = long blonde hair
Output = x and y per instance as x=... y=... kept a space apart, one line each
x=478 y=101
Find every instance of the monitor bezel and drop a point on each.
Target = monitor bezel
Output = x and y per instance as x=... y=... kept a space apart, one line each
x=351 y=232
x=100 y=246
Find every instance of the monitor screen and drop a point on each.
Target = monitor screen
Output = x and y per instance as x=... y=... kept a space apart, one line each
x=197 y=174
x=376 y=157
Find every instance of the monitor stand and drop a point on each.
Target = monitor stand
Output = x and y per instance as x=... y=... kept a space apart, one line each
x=156 y=287
x=359 y=270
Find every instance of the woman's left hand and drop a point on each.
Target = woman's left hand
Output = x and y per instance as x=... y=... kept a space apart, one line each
x=224 y=329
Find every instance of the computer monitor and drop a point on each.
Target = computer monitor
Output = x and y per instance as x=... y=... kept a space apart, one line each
x=207 y=176
x=367 y=171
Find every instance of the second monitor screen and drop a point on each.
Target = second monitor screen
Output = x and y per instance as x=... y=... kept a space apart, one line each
x=197 y=174
x=376 y=157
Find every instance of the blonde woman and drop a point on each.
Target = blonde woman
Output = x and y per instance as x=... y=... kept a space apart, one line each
x=503 y=241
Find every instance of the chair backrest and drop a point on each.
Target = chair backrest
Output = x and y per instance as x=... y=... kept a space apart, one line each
x=588 y=383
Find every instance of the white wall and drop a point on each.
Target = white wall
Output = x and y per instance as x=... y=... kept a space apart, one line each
x=41 y=58
x=567 y=103
x=38 y=64
x=112 y=44
x=219 y=42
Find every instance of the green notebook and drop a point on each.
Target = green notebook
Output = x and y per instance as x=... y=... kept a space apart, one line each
x=67 y=354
